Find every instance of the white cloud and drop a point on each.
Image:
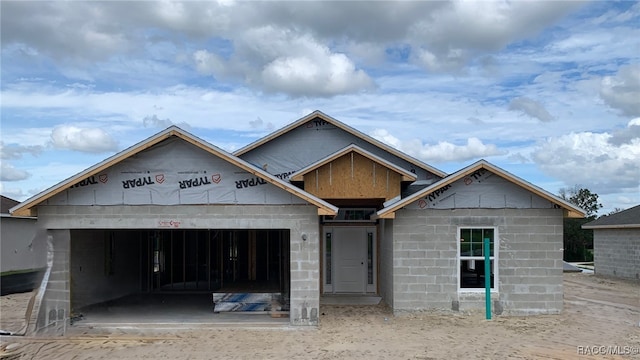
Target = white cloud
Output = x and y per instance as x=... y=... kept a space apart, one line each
x=260 y=124
x=328 y=75
x=450 y=36
x=443 y=151
x=9 y=173
x=622 y=91
x=91 y=140
x=14 y=151
x=531 y=107
x=12 y=192
x=274 y=46
x=155 y=121
x=626 y=135
x=209 y=63
x=280 y=60
x=592 y=160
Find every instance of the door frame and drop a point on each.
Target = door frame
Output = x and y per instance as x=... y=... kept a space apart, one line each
x=370 y=276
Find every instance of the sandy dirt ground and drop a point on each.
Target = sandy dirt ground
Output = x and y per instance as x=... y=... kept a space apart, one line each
x=601 y=315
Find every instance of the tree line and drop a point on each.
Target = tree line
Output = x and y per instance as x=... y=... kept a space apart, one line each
x=578 y=242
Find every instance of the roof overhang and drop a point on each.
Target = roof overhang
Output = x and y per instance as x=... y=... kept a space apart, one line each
x=28 y=207
x=622 y=226
x=339 y=124
x=405 y=174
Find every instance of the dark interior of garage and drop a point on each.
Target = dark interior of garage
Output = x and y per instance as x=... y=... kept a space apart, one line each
x=119 y=268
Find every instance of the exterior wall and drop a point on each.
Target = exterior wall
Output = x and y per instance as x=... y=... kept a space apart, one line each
x=385 y=271
x=19 y=250
x=529 y=258
x=53 y=298
x=617 y=252
x=299 y=219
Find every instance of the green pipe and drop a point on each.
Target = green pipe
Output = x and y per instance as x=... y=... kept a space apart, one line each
x=487 y=278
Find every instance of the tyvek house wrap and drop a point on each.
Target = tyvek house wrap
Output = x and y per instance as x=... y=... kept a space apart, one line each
x=173 y=172
x=482 y=189
x=315 y=140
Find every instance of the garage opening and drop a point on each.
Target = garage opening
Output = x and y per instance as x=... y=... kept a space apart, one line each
x=138 y=267
x=218 y=260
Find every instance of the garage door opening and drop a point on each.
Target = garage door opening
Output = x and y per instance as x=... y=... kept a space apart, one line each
x=218 y=260
x=128 y=268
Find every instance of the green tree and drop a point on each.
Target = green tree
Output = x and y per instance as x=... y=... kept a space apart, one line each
x=583 y=198
x=578 y=242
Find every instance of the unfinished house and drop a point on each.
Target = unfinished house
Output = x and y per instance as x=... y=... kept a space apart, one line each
x=316 y=209
x=616 y=244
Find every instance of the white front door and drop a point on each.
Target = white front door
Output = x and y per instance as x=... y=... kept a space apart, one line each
x=349 y=260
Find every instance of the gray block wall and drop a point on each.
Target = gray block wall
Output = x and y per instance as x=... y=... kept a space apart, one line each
x=299 y=219
x=425 y=269
x=385 y=271
x=616 y=252
x=52 y=300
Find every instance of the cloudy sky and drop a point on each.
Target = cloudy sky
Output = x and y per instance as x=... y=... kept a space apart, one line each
x=547 y=90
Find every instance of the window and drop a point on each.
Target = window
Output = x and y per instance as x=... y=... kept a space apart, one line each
x=471 y=253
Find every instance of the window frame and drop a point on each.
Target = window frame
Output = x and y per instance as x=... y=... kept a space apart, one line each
x=494 y=259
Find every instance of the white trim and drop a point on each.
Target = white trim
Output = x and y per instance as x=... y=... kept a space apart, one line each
x=494 y=258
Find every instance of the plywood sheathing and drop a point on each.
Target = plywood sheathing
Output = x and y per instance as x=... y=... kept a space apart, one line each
x=353 y=176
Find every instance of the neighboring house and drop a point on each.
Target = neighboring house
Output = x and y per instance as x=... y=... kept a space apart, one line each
x=314 y=208
x=21 y=261
x=616 y=244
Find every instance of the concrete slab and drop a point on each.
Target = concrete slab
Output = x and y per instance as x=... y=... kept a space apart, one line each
x=167 y=311
x=344 y=299
x=567 y=267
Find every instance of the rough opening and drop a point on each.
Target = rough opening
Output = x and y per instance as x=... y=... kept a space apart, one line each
x=108 y=266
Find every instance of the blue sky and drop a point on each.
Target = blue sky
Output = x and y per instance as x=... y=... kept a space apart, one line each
x=547 y=90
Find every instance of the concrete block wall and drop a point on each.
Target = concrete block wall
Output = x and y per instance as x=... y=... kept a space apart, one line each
x=385 y=270
x=530 y=261
x=424 y=260
x=529 y=269
x=616 y=252
x=299 y=219
x=53 y=299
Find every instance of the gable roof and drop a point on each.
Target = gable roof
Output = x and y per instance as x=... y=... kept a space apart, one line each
x=338 y=124
x=625 y=219
x=570 y=209
x=406 y=175
x=27 y=208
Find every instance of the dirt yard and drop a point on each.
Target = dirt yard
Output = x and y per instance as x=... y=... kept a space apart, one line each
x=601 y=315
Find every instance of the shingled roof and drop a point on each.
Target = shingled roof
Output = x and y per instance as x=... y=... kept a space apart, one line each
x=625 y=219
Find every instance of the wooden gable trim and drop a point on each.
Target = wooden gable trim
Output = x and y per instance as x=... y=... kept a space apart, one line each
x=406 y=175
